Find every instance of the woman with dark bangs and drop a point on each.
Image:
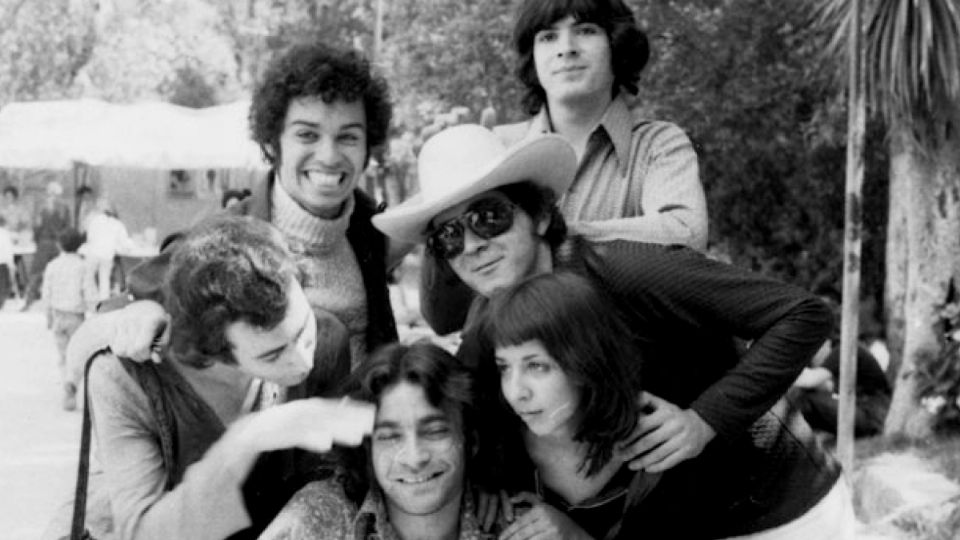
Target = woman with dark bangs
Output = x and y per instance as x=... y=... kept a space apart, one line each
x=568 y=378
x=566 y=370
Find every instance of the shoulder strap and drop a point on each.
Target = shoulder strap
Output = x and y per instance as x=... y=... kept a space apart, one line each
x=150 y=385
x=77 y=529
x=145 y=374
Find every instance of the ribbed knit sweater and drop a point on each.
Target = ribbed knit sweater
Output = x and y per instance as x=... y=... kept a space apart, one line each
x=333 y=280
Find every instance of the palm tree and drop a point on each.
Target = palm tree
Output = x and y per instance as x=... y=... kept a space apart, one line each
x=912 y=71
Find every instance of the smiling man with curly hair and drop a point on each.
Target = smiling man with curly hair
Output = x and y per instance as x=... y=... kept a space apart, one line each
x=317 y=114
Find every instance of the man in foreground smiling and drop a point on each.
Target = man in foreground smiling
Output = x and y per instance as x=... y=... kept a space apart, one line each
x=417 y=461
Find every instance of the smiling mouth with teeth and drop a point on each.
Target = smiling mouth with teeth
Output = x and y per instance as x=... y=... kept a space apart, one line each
x=325 y=179
x=419 y=479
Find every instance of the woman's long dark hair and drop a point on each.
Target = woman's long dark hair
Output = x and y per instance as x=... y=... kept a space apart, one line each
x=578 y=328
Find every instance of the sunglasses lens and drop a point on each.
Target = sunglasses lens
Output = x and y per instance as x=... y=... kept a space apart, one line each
x=489 y=218
x=486 y=218
x=447 y=241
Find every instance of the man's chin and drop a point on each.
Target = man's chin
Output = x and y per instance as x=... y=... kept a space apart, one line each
x=424 y=504
x=292 y=380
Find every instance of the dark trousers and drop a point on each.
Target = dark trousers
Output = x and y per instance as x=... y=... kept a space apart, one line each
x=5 y=285
x=46 y=251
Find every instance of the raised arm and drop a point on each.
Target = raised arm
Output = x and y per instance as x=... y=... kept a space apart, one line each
x=208 y=502
x=707 y=300
x=129 y=332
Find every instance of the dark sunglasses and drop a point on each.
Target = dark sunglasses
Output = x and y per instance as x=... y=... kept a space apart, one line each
x=486 y=218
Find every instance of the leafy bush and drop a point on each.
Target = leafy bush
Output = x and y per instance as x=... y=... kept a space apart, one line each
x=939 y=374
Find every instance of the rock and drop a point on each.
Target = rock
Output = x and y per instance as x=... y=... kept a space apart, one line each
x=883 y=532
x=897 y=487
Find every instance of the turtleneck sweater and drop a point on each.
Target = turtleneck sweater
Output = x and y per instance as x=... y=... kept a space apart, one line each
x=332 y=276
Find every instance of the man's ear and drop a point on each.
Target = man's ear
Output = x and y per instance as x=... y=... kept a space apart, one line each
x=270 y=150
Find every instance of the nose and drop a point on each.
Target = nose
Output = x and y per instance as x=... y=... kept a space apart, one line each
x=514 y=390
x=300 y=361
x=471 y=242
x=566 y=43
x=305 y=358
x=326 y=151
x=414 y=453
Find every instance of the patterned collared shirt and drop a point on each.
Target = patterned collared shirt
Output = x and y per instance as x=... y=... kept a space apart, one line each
x=320 y=510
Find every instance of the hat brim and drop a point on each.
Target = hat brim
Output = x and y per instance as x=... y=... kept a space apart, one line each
x=548 y=161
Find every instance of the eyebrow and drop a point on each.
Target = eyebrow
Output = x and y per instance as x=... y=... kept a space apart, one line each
x=531 y=356
x=277 y=350
x=429 y=419
x=316 y=125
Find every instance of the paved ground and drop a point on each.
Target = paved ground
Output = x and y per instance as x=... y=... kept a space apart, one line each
x=38 y=440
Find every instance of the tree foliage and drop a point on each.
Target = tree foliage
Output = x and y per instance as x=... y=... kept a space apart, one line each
x=43 y=45
x=912 y=50
x=161 y=50
x=745 y=80
x=441 y=54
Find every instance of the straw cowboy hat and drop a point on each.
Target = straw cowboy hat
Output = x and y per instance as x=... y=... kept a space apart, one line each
x=469 y=159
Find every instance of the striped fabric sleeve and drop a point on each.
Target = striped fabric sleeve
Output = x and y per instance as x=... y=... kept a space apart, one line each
x=681 y=288
x=664 y=175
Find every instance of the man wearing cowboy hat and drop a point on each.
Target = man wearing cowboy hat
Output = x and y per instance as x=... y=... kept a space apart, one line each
x=637 y=178
x=715 y=426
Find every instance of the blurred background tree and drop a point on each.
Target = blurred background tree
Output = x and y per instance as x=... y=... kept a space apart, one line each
x=43 y=47
x=913 y=84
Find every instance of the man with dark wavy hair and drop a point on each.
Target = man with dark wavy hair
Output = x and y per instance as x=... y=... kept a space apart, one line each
x=316 y=115
x=637 y=179
x=201 y=444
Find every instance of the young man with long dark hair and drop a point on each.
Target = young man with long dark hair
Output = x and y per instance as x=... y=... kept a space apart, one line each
x=637 y=178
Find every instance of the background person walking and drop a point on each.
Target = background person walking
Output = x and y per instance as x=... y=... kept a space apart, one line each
x=69 y=293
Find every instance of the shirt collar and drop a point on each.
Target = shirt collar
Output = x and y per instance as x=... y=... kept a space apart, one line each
x=616 y=123
x=372 y=518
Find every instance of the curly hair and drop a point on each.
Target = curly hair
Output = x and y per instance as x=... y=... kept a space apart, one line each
x=591 y=345
x=227 y=269
x=317 y=70
x=629 y=47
